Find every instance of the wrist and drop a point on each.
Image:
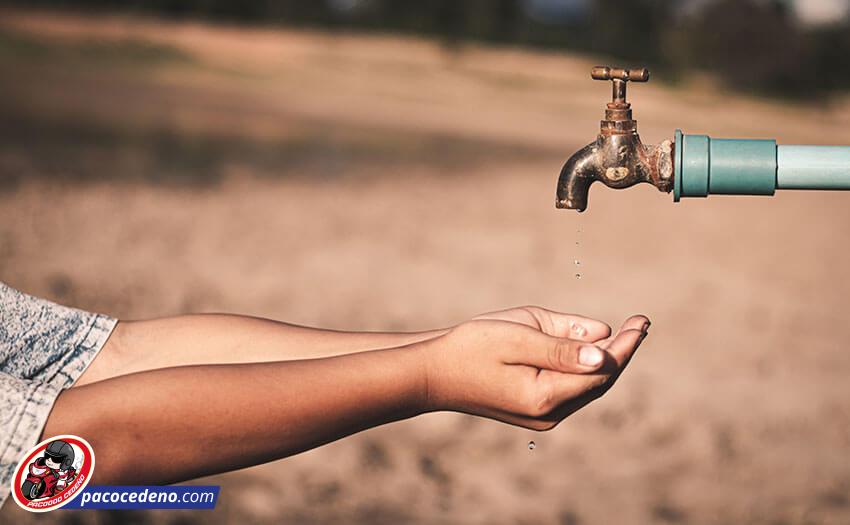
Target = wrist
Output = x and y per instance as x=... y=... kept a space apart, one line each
x=430 y=356
x=403 y=371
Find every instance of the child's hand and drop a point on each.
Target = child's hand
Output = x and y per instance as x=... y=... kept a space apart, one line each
x=527 y=366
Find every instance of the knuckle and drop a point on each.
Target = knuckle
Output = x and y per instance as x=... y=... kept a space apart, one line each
x=537 y=314
x=530 y=308
x=541 y=403
x=559 y=353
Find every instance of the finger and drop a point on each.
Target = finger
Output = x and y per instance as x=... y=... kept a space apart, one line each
x=569 y=408
x=635 y=322
x=531 y=423
x=574 y=326
x=639 y=323
x=625 y=354
x=553 y=353
x=563 y=388
x=560 y=388
x=575 y=403
x=624 y=344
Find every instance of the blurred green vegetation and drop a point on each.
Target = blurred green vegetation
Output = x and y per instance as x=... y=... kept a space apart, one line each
x=16 y=46
x=35 y=143
x=754 y=45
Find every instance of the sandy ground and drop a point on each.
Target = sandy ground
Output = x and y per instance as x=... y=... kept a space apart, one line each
x=384 y=183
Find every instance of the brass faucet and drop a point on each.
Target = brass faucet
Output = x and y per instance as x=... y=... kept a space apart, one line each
x=617 y=157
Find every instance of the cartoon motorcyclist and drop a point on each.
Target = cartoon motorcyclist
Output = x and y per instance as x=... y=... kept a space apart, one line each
x=51 y=473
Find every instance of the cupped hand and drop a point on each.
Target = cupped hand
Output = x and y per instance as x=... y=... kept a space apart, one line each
x=527 y=366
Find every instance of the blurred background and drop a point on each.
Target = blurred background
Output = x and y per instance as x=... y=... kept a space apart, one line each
x=391 y=165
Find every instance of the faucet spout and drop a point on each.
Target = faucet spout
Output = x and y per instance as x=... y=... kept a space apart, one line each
x=579 y=172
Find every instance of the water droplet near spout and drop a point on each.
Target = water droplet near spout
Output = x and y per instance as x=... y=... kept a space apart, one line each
x=531 y=445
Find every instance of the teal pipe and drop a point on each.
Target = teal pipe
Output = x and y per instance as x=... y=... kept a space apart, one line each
x=704 y=166
x=813 y=168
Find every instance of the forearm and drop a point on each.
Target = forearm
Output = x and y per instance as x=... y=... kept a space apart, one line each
x=515 y=366
x=199 y=420
x=138 y=346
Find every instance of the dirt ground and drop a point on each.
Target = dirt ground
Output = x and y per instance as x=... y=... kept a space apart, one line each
x=375 y=182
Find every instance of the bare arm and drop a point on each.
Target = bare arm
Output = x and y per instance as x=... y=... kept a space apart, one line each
x=137 y=346
x=197 y=420
x=519 y=367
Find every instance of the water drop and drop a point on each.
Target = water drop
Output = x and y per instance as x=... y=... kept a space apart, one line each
x=531 y=445
x=578 y=263
x=578 y=276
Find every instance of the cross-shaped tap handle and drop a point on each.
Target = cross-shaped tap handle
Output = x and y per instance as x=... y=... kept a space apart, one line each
x=619 y=77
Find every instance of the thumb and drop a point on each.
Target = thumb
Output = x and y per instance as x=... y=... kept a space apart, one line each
x=559 y=354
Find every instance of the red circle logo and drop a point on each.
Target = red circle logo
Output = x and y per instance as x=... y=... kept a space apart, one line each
x=53 y=473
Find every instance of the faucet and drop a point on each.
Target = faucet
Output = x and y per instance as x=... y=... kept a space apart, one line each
x=691 y=165
x=617 y=157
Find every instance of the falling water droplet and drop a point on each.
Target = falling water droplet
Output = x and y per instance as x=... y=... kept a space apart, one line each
x=531 y=445
x=578 y=276
x=578 y=263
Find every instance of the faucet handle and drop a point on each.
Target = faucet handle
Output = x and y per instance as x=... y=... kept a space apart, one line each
x=619 y=77
x=611 y=73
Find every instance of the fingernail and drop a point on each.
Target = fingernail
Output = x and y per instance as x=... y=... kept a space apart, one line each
x=579 y=330
x=645 y=326
x=590 y=355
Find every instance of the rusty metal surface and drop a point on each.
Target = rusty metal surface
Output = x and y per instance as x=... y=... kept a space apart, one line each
x=617 y=158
